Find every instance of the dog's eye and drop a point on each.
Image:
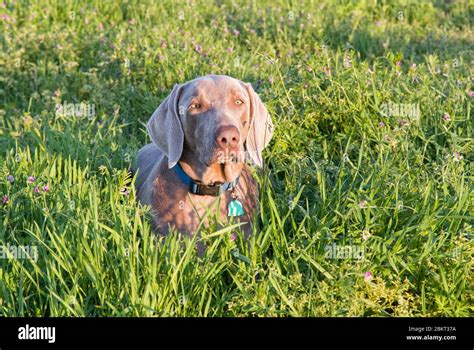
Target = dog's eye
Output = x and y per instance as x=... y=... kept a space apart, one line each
x=239 y=102
x=194 y=106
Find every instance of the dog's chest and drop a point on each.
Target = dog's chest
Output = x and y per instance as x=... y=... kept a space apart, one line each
x=175 y=206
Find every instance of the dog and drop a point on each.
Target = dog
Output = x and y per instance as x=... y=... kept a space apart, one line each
x=203 y=134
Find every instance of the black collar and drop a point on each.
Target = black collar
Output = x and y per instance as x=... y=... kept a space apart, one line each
x=201 y=189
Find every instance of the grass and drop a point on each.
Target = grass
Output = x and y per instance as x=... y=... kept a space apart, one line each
x=340 y=175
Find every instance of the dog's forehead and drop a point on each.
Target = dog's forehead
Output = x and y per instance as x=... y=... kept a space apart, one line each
x=216 y=86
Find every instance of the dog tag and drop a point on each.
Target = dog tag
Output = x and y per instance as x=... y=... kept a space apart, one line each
x=235 y=208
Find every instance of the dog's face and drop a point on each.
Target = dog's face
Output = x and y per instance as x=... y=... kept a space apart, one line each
x=215 y=115
x=215 y=120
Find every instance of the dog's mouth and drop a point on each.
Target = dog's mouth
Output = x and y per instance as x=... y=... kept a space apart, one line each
x=222 y=166
x=226 y=157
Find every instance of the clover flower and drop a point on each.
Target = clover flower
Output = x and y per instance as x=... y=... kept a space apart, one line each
x=367 y=276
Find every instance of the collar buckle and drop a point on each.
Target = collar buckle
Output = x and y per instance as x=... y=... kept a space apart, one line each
x=205 y=190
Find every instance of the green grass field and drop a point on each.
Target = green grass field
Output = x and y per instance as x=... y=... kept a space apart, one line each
x=367 y=193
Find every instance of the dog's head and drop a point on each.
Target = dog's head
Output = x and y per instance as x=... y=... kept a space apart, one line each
x=216 y=119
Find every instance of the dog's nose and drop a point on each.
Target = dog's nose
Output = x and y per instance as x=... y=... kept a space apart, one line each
x=227 y=137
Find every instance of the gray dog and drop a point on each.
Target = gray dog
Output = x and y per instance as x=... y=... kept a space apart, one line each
x=202 y=134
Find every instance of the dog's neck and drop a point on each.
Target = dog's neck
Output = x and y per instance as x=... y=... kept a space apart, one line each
x=209 y=175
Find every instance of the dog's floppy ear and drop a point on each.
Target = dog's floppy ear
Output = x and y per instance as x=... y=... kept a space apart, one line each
x=261 y=127
x=165 y=127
